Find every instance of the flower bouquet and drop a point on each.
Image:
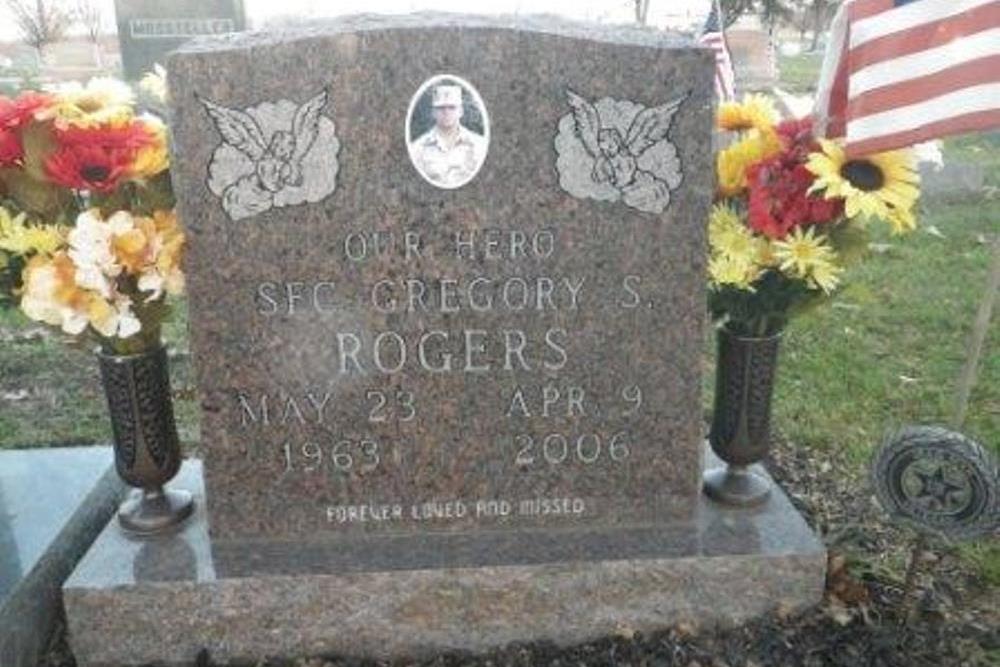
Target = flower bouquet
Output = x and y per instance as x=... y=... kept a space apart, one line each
x=90 y=244
x=792 y=211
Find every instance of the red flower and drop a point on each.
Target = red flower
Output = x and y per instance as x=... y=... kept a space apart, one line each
x=796 y=130
x=778 y=200
x=95 y=158
x=133 y=136
x=10 y=147
x=14 y=114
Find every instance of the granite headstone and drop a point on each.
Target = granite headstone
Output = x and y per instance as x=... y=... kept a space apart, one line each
x=447 y=312
x=149 y=29
x=388 y=347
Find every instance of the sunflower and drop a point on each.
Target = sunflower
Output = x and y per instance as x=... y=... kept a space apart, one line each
x=754 y=112
x=804 y=255
x=901 y=220
x=872 y=185
x=732 y=162
x=102 y=101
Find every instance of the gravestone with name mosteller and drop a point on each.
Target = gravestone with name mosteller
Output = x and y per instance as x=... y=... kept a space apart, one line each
x=149 y=29
x=447 y=308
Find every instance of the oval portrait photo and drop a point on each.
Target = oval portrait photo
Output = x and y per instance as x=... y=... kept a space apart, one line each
x=447 y=131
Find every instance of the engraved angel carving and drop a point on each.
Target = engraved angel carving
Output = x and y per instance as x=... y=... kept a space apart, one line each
x=613 y=150
x=272 y=155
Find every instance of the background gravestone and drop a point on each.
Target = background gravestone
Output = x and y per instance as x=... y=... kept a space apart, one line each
x=150 y=29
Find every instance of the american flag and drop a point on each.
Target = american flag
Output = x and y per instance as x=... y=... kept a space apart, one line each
x=714 y=36
x=899 y=72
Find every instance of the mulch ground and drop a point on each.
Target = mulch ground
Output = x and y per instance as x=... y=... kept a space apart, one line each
x=955 y=618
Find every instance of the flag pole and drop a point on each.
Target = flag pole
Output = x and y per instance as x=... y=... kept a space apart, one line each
x=975 y=348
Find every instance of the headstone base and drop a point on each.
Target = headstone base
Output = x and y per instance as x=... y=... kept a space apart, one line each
x=159 y=601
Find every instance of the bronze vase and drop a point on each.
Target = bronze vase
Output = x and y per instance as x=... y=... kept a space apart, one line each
x=741 y=420
x=147 y=449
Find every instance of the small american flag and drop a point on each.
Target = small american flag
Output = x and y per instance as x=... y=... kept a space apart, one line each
x=899 y=72
x=714 y=36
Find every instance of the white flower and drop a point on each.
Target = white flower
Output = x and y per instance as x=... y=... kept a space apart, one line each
x=91 y=252
x=152 y=281
x=116 y=318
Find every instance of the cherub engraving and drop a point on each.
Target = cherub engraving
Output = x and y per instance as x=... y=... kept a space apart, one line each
x=272 y=155
x=619 y=150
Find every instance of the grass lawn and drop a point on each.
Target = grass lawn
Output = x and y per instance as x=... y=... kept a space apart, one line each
x=890 y=348
x=799 y=73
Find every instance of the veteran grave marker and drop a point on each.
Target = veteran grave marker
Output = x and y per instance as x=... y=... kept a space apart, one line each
x=446 y=281
x=500 y=345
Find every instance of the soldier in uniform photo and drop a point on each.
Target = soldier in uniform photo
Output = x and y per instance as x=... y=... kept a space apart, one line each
x=449 y=153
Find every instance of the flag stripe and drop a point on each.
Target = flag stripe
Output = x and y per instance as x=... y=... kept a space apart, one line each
x=714 y=36
x=928 y=35
x=832 y=71
x=918 y=70
x=914 y=116
x=913 y=91
x=970 y=122
x=862 y=9
x=907 y=17
x=839 y=93
x=926 y=62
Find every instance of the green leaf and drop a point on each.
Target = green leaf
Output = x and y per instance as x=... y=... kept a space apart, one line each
x=39 y=143
x=850 y=240
x=33 y=195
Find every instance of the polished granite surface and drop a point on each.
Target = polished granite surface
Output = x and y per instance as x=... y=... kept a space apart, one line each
x=40 y=489
x=772 y=529
x=53 y=503
x=131 y=602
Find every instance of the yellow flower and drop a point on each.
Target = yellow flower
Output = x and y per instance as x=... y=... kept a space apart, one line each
x=19 y=238
x=133 y=248
x=155 y=83
x=732 y=162
x=755 y=111
x=826 y=276
x=728 y=236
x=726 y=271
x=766 y=256
x=902 y=220
x=722 y=219
x=804 y=255
x=149 y=248
x=165 y=271
x=103 y=101
x=871 y=185
x=152 y=159
x=52 y=295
